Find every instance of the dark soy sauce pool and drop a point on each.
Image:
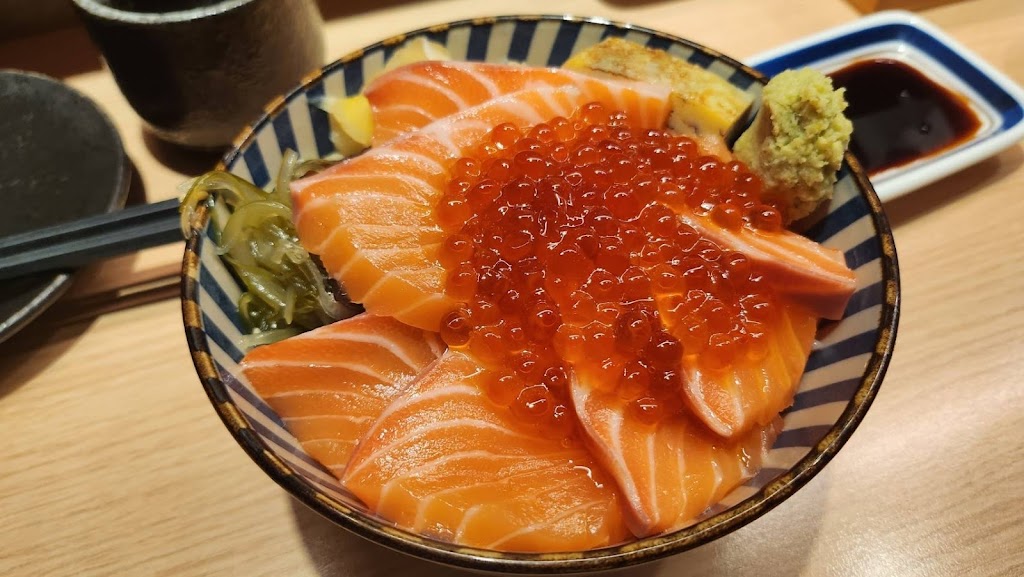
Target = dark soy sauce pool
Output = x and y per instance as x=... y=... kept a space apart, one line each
x=899 y=114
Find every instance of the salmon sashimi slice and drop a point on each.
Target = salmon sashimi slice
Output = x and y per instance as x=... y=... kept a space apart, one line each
x=415 y=95
x=799 y=268
x=671 y=471
x=330 y=384
x=370 y=218
x=759 y=383
x=445 y=461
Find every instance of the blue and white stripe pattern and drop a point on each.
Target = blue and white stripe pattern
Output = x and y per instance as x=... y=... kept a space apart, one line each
x=847 y=360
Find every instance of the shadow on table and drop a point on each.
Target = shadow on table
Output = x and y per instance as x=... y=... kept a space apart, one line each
x=179 y=158
x=33 y=349
x=776 y=545
x=60 y=54
x=950 y=189
x=45 y=338
x=334 y=9
x=635 y=3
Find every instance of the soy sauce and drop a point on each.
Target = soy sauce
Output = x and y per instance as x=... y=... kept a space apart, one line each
x=899 y=114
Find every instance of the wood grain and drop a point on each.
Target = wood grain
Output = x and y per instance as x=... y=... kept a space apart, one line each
x=113 y=462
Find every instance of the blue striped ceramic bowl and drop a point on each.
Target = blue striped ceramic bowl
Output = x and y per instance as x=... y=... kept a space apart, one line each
x=843 y=373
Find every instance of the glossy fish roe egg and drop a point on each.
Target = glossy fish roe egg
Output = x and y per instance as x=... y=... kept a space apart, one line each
x=563 y=244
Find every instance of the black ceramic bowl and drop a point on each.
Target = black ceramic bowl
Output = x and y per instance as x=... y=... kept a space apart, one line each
x=843 y=374
x=60 y=159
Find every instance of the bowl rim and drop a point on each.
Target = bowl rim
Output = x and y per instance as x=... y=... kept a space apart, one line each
x=635 y=552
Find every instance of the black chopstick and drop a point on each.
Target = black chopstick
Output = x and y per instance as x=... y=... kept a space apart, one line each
x=77 y=243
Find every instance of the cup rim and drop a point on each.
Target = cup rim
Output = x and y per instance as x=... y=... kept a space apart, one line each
x=99 y=9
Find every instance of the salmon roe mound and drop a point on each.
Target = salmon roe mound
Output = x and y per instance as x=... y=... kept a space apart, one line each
x=564 y=247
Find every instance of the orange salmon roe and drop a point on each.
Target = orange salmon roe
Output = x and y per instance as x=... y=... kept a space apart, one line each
x=563 y=245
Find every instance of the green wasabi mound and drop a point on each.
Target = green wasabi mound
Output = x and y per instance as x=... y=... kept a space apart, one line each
x=796 y=142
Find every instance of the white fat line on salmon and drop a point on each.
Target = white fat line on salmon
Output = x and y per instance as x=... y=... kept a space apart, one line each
x=415 y=159
x=549 y=98
x=403 y=271
x=406 y=401
x=566 y=101
x=719 y=476
x=406 y=108
x=345 y=266
x=374 y=339
x=784 y=248
x=764 y=378
x=768 y=436
x=340 y=230
x=421 y=302
x=700 y=405
x=410 y=238
x=330 y=441
x=524 y=111
x=332 y=201
x=425 y=502
x=681 y=473
x=533 y=527
x=381 y=282
x=392 y=185
x=412 y=274
x=349 y=418
x=388 y=196
x=451 y=149
x=745 y=464
x=615 y=455
x=397 y=157
x=467 y=516
x=736 y=394
x=471 y=70
x=457 y=456
x=437 y=346
x=362 y=369
x=652 y=476
x=444 y=91
x=304 y=392
x=594 y=90
x=441 y=461
x=469 y=131
x=418 y=433
x=377 y=237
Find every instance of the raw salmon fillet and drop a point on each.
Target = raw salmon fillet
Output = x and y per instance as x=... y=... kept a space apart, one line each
x=446 y=462
x=670 y=472
x=416 y=95
x=413 y=96
x=329 y=385
x=813 y=275
x=755 y=388
x=370 y=218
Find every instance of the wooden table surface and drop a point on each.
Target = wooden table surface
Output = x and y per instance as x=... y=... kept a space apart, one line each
x=112 y=462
